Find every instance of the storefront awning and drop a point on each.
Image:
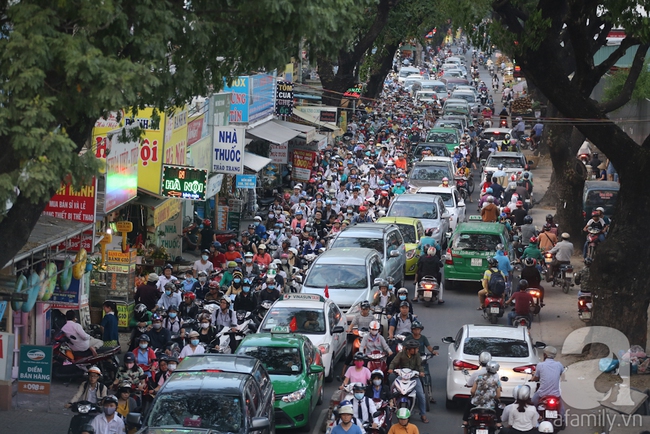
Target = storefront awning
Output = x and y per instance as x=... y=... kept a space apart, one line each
x=49 y=232
x=164 y=209
x=273 y=133
x=315 y=121
x=308 y=132
x=254 y=162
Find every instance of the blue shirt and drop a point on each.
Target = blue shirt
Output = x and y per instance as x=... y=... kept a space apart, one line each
x=109 y=322
x=188 y=284
x=424 y=241
x=354 y=429
x=504 y=262
x=260 y=231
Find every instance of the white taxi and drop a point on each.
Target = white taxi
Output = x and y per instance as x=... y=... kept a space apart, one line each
x=454 y=204
x=316 y=317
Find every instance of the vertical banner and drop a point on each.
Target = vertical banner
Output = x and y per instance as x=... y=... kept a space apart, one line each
x=303 y=161
x=122 y=170
x=262 y=91
x=113 y=121
x=239 y=95
x=176 y=139
x=151 y=149
x=220 y=109
x=228 y=150
x=283 y=98
x=35 y=369
x=6 y=355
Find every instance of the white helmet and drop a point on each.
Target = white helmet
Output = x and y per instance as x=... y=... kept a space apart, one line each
x=545 y=427
x=374 y=325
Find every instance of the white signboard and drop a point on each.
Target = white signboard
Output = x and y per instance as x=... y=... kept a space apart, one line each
x=279 y=154
x=6 y=355
x=214 y=186
x=228 y=150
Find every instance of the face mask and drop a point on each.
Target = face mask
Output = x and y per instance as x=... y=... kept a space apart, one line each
x=376 y=382
x=271 y=287
x=194 y=342
x=205 y=325
x=249 y=260
x=202 y=279
x=256 y=223
x=108 y=411
x=236 y=280
x=402 y=297
x=277 y=231
x=374 y=332
x=144 y=345
x=172 y=315
x=204 y=257
x=157 y=325
x=171 y=367
x=358 y=363
x=284 y=261
x=201 y=227
x=359 y=396
x=168 y=292
x=130 y=365
x=399 y=184
x=391 y=286
x=247 y=288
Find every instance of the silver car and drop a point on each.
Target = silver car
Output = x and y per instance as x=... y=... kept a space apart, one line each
x=429 y=208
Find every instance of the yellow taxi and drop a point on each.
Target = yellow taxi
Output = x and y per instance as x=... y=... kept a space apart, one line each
x=412 y=230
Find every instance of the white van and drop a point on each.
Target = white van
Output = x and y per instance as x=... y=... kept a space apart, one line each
x=405 y=71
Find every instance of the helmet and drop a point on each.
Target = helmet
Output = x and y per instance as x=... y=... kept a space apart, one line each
x=169 y=266
x=384 y=193
x=358 y=386
x=145 y=338
x=129 y=358
x=519 y=203
x=214 y=284
x=411 y=344
x=109 y=399
x=545 y=427
x=528 y=220
x=549 y=217
x=377 y=373
x=402 y=291
x=346 y=409
x=523 y=284
x=484 y=358
x=529 y=262
x=550 y=352
x=96 y=370
x=445 y=179
x=428 y=232
x=507 y=210
x=492 y=367
x=533 y=239
x=595 y=213
x=523 y=394
x=374 y=325
x=358 y=355
x=403 y=413
x=492 y=262
x=383 y=282
x=417 y=325
x=90 y=430
x=365 y=304
x=190 y=295
x=547 y=226
x=363 y=208
x=224 y=299
x=489 y=190
x=140 y=309
x=207 y=222
x=500 y=246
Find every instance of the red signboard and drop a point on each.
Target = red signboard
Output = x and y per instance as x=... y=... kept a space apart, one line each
x=76 y=206
x=303 y=161
x=194 y=131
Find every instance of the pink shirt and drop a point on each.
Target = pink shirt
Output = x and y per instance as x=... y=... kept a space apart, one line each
x=362 y=376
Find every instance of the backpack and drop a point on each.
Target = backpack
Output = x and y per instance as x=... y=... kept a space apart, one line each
x=497 y=284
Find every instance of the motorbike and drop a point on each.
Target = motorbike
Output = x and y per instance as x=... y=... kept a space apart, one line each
x=549 y=410
x=226 y=235
x=562 y=275
x=191 y=230
x=427 y=382
x=377 y=360
x=85 y=413
x=67 y=364
x=345 y=394
x=221 y=342
x=356 y=336
x=584 y=305
x=536 y=293
x=383 y=416
x=592 y=242
x=403 y=388
x=482 y=421
x=259 y=314
x=427 y=290
x=493 y=308
x=503 y=123
x=484 y=97
x=463 y=187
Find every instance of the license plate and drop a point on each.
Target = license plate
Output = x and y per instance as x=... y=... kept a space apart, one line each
x=428 y=294
x=534 y=300
x=586 y=315
x=551 y=414
x=481 y=431
x=549 y=260
x=494 y=310
x=477 y=262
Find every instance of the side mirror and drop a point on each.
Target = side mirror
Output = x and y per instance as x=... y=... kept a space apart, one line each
x=258 y=423
x=394 y=253
x=436 y=348
x=461 y=203
x=445 y=215
x=338 y=329
x=540 y=345
x=316 y=369
x=133 y=419
x=377 y=413
x=448 y=340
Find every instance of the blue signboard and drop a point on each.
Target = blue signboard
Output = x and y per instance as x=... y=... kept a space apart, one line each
x=3 y=308
x=262 y=90
x=239 y=99
x=246 y=181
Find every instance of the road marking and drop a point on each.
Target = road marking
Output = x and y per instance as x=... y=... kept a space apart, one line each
x=319 y=422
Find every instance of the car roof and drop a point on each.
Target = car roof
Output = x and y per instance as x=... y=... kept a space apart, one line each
x=347 y=255
x=602 y=185
x=223 y=362
x=455 y=101
x=462 y=90
x=415 y=198
x=506 y=154
x=497 y=330
x=432 y=82
x=288 y=340
x=226 y=383
x=437 y=158
x=399 y=220
x=436 y=189
x=479 y=227
x=368 y=228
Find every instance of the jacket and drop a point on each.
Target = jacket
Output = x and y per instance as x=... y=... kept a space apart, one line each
x=377 y=298
x=82 y=392
x=402 y=360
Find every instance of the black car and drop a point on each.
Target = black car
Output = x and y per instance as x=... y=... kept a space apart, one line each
x=214 y=393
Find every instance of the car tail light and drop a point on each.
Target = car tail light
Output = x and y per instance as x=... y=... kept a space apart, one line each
x=522 y=369
x=459 y=365
x=213 y=370
x=448 y=258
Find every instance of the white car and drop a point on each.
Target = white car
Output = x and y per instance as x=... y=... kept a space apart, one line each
x=454 y=204
x=513 y=163
x=510 y=347
x=498 y=134
x=292 y=310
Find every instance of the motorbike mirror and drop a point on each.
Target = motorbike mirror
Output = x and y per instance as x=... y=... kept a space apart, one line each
x=448 y=340
x=377 y=414
x=338 y=329
x=436 y=348
x=133 y=419
x=540 y=345
x=504 y=379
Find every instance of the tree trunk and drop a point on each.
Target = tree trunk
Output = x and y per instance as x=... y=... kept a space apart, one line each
x=335 y=84
x=380 y=69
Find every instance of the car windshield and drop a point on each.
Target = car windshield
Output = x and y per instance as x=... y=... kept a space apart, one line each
x=497 y=347
x=337 y=276
x=368 y=243
x=438 y=137
x=408 y=233
x=406 y=72
x=211 y=411
x=438 y=151
x=466 y=96
x=299 y=320
x=605 y=198
x=418 y=210
x=439 y=88
x=476 y=242
x=278 y=361
x=429 y=173
x=448 y=124
x=508 y=162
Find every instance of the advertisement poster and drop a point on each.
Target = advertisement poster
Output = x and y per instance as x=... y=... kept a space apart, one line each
x=122 y=171
x=220 y=109
x=303 y=161
x=151 y=148
x=279 y=154
x=246 y=181
x=176 y=139
x=262 y=90
x=239 y=91
x=35 y=369
x=228 y=150
x=113 y=121
x=283 y=98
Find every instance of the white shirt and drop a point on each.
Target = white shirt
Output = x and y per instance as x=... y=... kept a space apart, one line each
x=102 y=426
x=81 y=341
x=523 y=421
x=187 y=351
x=208 y=267
x=361 y=409
x=163 y=280
x=169 y=300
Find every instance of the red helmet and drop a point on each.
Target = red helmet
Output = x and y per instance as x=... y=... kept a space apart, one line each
x=214 y=284
x=190 y=295
x=533 y=239
x=519 y=204
x=362 y=208
x=507 y=210
x=238 y=245
x=384 y=193
x=312 y=180
x=287 y=196
x=595 y=213
x=207 y=222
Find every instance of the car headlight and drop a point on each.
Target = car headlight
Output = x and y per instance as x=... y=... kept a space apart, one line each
x=324 y=348
x=295 y=396
x=411 y=253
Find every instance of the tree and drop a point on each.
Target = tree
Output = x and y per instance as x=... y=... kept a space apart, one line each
x=543 y=35
x=65 y=64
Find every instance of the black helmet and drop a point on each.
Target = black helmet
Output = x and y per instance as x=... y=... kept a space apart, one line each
x=492 y=262
x=523 y=284
x=140 y=308
x=404 y=303
x=358 y=355
x=241 y=314
x=549 y=217
x=417 y=325
x=528 y=220
x=129 y=357
x=110 y=398
x=412 y=343
x=87 y=428
x=529 y=262
x=383 y=282
x=144 y=338
x=168 y=267
x=365 y=304
x=173 y=308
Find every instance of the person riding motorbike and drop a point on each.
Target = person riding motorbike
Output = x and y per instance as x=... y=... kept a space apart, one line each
x=383 y=297
x=483 y=359
x=377 y=389
x=357 y=373
x=246 y=299
x=346 y=425
x=523 y=300
x=429 y=265
x=188 y=308
x=532 y=251
x=595 y=223
x=531 y=273
x=144 y=355
x=401 y=323
x=548 y=373
x=90 y=390
x=410 y=358
x=108 y=421
x=528 y=229
x=416 y=331
x=563 y=252
x=158 y=335
x=582 y=277
x=547 y=239
x=485 y=392
x=363 y=407
x=523 y=418
x=374 y=341
x=493 y=267
x=403 y=426
x=363 y=318
x=201 y=286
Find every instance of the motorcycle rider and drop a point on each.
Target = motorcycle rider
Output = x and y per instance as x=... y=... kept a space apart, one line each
x=166 y=278
x=107 y=422
x=245 y=300
x=524 y=417
x=250 y=268
x=403 y=426
x=90 y=390
x=129 y=371
x=548 y=374
x=582 y=277
x=532 y=251
x=528 y=230
x=416 y=330
x=503 y=261
x=549 y=220
x=401 y=323
x=523 y=300
x=188 y=309
x=410 y=358
x=148 y=293
x=547 y=239
x=270 y=292
x=483 y=359
x=563 y=252
x=158 y=335
x=383 y=297
x=363 y=406
x=485 y=392
x=377 y=389
x=493 y=267
x=374 y=341
x=531 y=273
x=519 y=213
x=594 y=223
x=79 y=340
x=201 y=286
x=169 y=298
x=429 y=265
x=346 y=425
x=363 y=318
x=214 y=294
x=193 y=346
x=203 y=264
x=173 y=323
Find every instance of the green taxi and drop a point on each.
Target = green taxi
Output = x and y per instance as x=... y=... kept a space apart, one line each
x=449 y=136
x=411 y=230
x=296 y=371
x=471 y=245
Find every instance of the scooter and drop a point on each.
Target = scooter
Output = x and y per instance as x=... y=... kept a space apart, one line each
x=562 y=275
x=585 y=305
x=537 y=296
x=377 y=360
x=403 y=388
x=66 y=364
x=85 y=413
x=592 y=242
x=482 y=421
x=549 y=410
x=493 y=308
x=339 y=396
x=427 y=290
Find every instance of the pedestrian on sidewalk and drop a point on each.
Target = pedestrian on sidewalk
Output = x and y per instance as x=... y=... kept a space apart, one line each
x=110 y=334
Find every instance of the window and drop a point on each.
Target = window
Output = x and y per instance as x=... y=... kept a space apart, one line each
x=498 y=347
x=442 y=137
x=295 y=318
x=508 y=162
x=208 y=410
x=456 y=199
x=441 y=207
x=276 y=360
x=429 y=172
x=476 y=242
x=420 y=210
x=252 y=400
x=438 y=151
x=262 y=377
x=375 y=269
x=331 y=316
x=337 y=276
x=369 y=243
x=310 y=353
x=459 y=337
x=420 y=230
x=408 y=231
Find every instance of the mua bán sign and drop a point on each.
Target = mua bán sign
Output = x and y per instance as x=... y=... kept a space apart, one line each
x=184 y=182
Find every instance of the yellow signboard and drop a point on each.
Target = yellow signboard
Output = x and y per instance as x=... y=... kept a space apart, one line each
x=117 y=257
x=176 y=139
x=120 y=268
x=124 y=226
x=166 y=211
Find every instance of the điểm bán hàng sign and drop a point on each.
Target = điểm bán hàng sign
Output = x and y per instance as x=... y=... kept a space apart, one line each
x=35 y=369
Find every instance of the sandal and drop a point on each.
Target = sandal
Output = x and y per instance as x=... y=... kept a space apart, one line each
x=479 y=308
x=424 y=419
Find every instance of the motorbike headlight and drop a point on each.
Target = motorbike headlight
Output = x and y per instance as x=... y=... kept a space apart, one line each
x=295 y=396
x=83 y=409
